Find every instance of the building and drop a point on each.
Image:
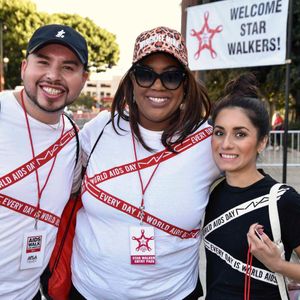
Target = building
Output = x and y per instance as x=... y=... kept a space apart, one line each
x=102 y=87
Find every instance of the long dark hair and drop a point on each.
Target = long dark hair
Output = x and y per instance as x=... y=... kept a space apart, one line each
x=243 y=92
x=196 y=110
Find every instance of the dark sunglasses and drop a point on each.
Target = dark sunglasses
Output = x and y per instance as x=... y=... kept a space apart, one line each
x=146 y=77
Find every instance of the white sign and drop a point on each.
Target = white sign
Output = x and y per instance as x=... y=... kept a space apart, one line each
x=237 y=33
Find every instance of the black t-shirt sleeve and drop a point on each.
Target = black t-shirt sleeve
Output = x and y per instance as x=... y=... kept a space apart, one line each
x=289 y=215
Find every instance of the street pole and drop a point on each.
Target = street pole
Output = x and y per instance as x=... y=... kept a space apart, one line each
x=287 y=91
x=1 y=56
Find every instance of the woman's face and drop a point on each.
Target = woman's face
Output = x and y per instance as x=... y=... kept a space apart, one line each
x=157 y=104
x=234 y=142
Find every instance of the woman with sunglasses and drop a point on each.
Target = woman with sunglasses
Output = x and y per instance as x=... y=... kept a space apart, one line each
x=147 y=180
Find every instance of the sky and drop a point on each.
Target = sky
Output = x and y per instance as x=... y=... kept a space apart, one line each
x=125 y=19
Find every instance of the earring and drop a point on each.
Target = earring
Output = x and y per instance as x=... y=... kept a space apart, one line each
x=182 y=106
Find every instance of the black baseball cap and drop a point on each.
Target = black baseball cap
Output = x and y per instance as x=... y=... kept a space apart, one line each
x=59 y=34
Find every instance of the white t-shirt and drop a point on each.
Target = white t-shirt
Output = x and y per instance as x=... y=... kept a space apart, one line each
x=177 y=194
x=15 y=150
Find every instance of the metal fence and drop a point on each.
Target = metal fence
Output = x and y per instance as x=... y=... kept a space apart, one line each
x=273 y=154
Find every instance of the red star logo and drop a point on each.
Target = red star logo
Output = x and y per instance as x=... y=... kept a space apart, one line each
x=205 y=36
x=143 y=242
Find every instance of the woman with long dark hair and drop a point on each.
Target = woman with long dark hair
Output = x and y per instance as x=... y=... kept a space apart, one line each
x=147 y=180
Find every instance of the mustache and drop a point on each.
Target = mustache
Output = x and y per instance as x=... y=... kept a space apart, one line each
x=55 y=83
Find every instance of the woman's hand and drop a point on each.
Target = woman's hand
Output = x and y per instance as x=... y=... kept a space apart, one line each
x=264 y=249
x=268 y=253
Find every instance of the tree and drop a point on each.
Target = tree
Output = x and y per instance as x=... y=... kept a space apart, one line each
x=295 y=67
x=103 y=49
x=83 y=101
x=20 y=19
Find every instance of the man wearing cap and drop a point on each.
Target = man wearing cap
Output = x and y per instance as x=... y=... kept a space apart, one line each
x=37 y=156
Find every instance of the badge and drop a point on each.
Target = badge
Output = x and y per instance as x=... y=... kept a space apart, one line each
x=33 y=250
x=142 y=245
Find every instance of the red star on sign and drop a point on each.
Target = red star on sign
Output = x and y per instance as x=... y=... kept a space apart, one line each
x=205 y=36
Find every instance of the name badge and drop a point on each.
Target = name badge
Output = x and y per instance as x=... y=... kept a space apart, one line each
x=142 y=245
x=33 y=250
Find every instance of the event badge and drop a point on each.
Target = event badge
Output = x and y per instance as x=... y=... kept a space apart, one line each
x=142 y=245
x=33 y=249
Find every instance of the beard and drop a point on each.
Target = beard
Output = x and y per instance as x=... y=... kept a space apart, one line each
x=33 y=98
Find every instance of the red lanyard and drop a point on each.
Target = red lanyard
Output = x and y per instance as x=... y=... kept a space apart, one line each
x=39 y=189
x=153 y=159
x=37 y=162
x=142 y=206
x=248 y=275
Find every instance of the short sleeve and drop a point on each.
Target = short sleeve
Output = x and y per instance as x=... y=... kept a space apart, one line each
x=289 y=215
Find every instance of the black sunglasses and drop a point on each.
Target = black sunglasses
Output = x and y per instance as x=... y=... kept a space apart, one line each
x=145 y=77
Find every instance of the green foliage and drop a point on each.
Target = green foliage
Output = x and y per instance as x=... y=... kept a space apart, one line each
x=294 y=126
x=295 y=67
x=103 y=49
x=83 y=102
x=20 y=19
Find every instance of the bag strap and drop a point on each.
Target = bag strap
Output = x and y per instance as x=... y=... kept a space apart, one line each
x=96 y=142
x=76 y=135
x=215 y=184
x=276 y=231
x=66 y=232
x=273 y=213
x=77 y=196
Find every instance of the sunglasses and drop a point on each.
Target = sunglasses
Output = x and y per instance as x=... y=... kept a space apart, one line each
x=146 y=77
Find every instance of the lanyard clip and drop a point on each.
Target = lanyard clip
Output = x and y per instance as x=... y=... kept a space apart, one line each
x=36 y=218
x=142 y=214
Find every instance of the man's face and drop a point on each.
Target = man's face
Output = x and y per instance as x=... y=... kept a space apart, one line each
x=53 y=78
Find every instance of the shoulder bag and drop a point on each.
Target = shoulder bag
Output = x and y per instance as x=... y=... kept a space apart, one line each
x=288 y=289
x=56 y=281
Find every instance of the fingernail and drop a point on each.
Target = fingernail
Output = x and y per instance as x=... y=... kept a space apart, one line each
x=260 y=231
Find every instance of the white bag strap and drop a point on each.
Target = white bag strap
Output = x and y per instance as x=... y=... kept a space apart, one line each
x=276 y=231
x=215 y=184
x=273 y=212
